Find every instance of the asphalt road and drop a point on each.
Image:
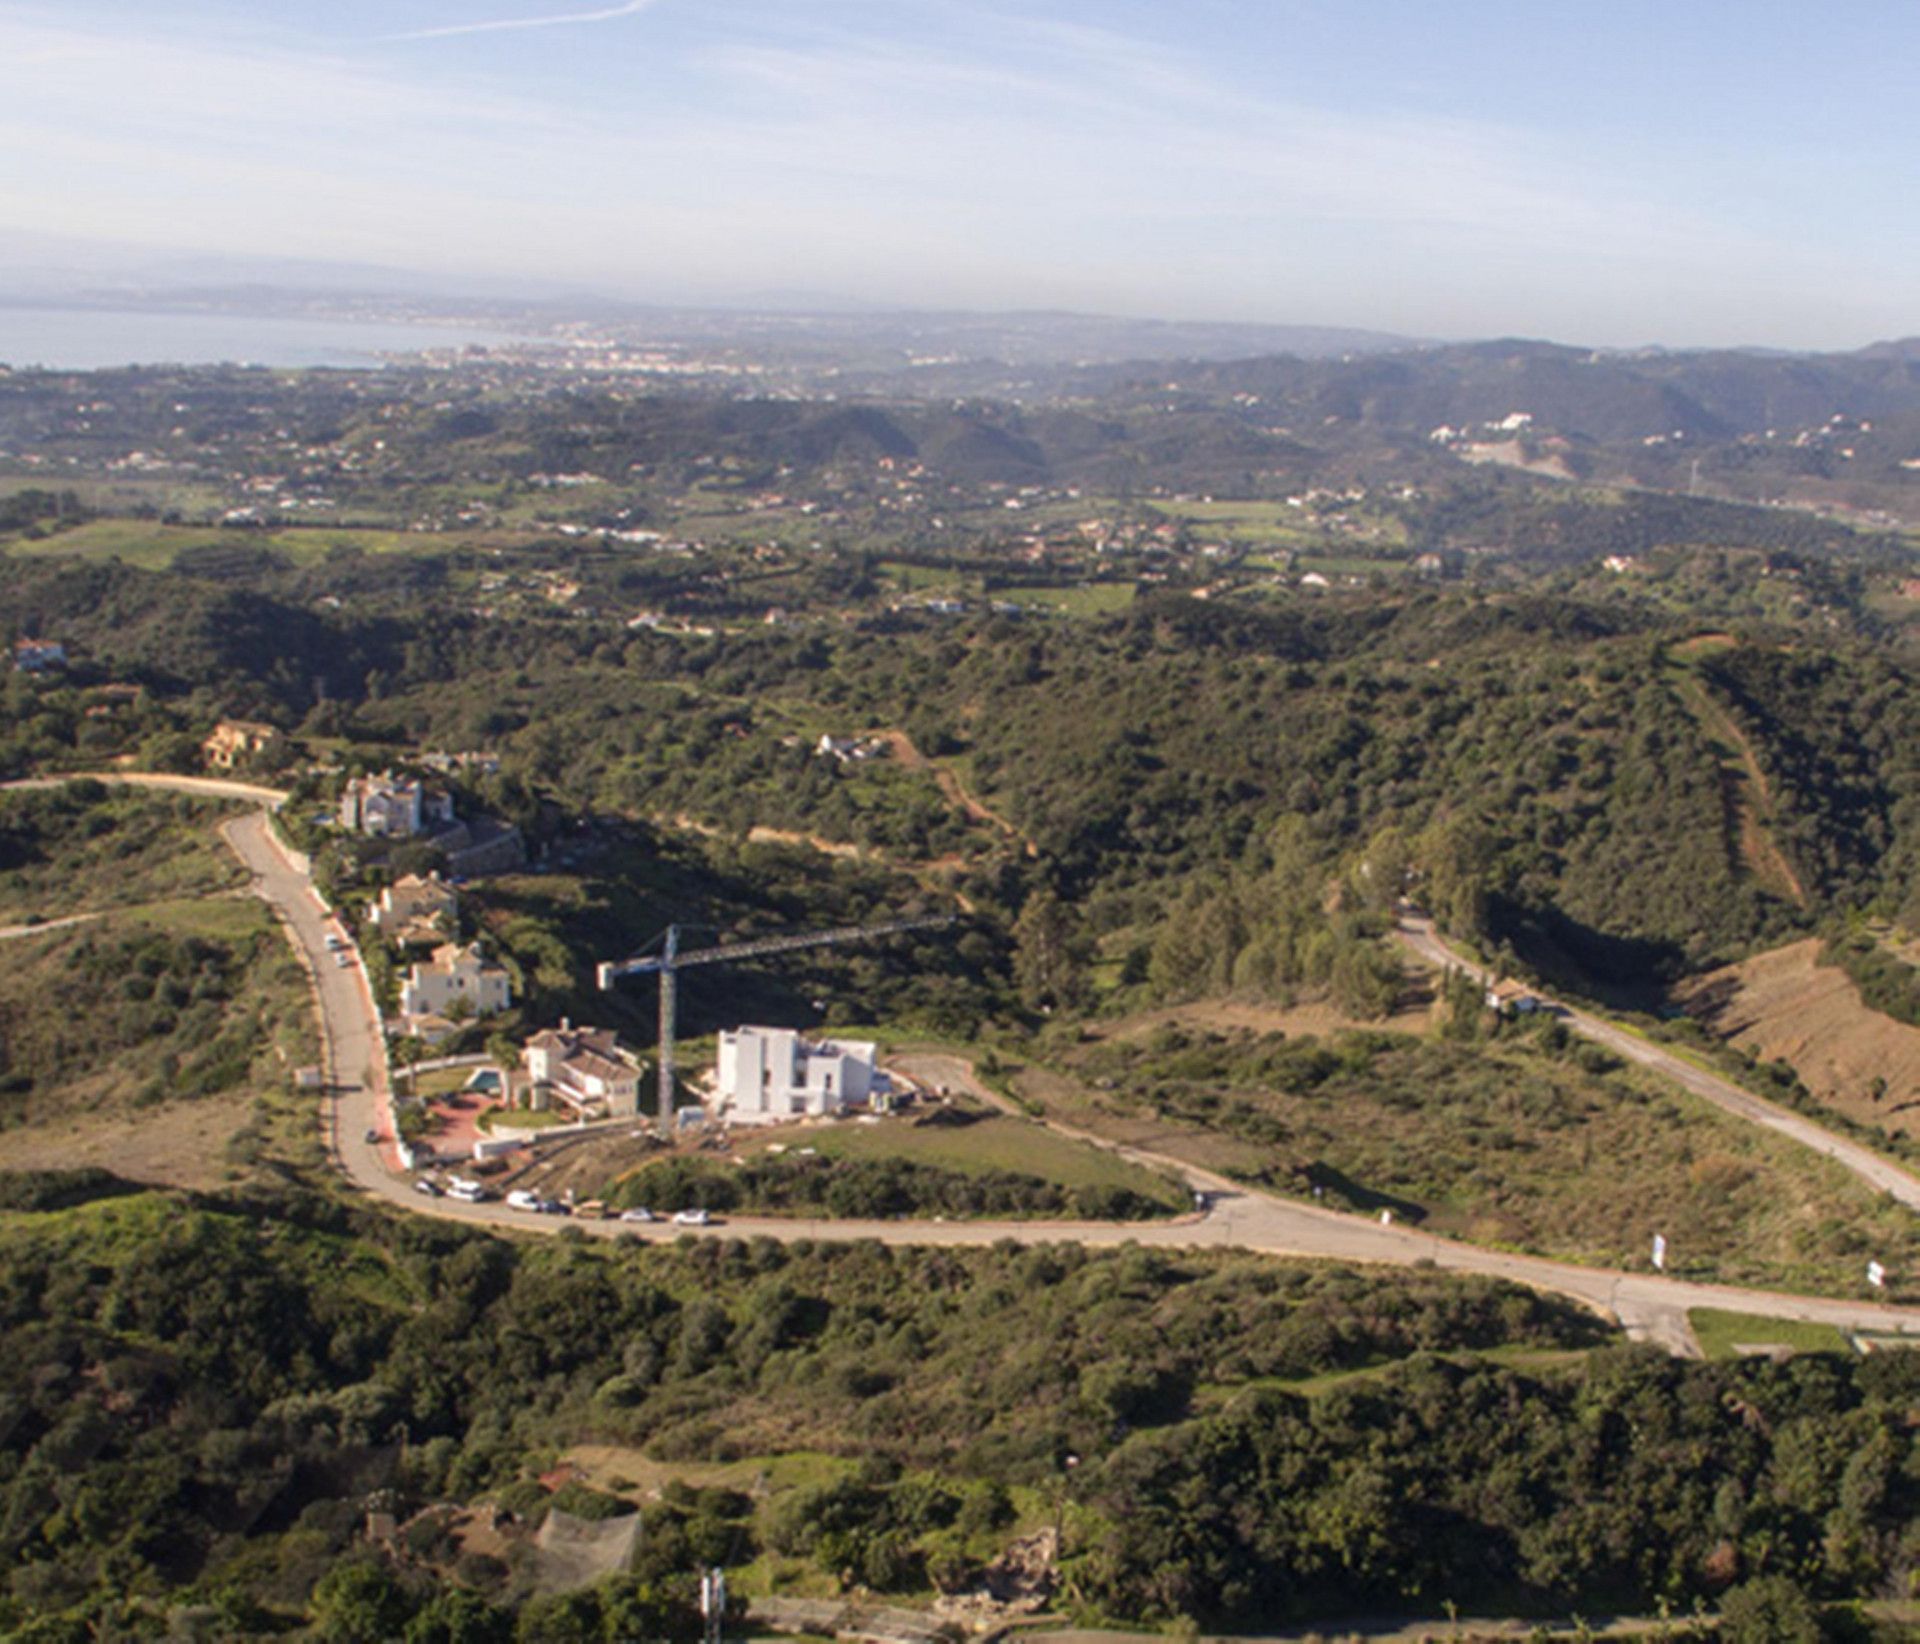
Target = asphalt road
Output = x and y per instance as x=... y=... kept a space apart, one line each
x=1649 y=1306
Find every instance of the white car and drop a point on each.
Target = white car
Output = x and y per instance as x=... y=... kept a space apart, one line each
x=344 y=960
x=521 y=1199
x=637 y=1214
x=691 y=1218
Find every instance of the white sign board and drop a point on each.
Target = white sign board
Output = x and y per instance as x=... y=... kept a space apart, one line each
x=1660 y=1251
x=1876 y=1275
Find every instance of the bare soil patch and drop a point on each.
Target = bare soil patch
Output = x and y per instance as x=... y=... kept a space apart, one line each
x=180 y=1145
x=1784 y=1006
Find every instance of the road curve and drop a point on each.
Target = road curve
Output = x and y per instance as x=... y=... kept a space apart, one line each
x=1880 y=1174
x=1237 y=1218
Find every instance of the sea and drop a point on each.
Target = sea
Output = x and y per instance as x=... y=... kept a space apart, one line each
x=76 y=339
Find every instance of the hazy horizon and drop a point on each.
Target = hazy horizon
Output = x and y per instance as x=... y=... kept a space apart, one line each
x=1717 y=178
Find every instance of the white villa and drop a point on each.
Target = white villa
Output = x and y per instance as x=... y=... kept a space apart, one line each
x=453 y=974
x=769 y=1074
x=585 y=1069
x=392 y=807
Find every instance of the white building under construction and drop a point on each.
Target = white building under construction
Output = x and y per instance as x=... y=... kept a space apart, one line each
x=766 y=1075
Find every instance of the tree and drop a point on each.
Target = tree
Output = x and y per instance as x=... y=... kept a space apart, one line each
x=1769 y=1609
x=457 y=1616
x=1050 y=953
x=359 y=1603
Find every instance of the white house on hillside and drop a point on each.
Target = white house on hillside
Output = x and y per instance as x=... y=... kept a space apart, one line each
x=455 y=974
x=769 y=1074
x=392 y=807
x=585 y=1069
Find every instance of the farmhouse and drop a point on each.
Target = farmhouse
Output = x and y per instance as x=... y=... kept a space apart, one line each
x=456 y=981
x=852 y=749
x=585 y=1069
x=236 y=741
x=39 y=656
x=1510 y=998
x=769 y=1074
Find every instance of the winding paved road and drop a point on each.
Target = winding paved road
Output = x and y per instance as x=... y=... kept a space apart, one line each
x=1650 y=1307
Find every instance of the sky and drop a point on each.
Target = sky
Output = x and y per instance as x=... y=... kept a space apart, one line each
x=1611 y=172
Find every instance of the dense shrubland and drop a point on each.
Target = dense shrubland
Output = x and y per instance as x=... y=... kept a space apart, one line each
x=198 y=1395
x=1540 y=747
x=882 y=1188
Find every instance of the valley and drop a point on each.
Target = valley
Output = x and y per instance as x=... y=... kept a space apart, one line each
x=1377 y=894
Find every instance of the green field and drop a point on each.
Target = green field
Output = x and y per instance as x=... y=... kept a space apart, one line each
x=225 y=918
x=994 y=1142
x=1088 y=599
x=154 y=547
x=914 y=578
x=1722 y=1334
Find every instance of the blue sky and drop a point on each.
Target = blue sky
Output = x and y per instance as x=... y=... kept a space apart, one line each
x=1611 y=172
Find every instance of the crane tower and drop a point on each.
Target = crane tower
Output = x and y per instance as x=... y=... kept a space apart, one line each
x=671 y=960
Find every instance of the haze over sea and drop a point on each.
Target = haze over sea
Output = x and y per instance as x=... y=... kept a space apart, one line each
x=93 y=339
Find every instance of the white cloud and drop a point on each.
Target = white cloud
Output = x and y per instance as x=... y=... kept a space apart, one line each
x=499 y=25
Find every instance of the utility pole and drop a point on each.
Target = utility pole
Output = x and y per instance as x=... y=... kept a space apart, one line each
x=713 y=1602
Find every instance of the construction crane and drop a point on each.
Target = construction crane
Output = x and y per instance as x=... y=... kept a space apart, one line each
x=669 y=961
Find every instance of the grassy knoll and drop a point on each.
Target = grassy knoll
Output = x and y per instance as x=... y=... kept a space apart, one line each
x=1529 y=1142
x=85 y=847
x=1724 y=1335
x=959 y=1163
x=156 y=1042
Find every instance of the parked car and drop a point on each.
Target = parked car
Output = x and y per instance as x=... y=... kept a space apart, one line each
x=343 y=959
x=372 y=1137
x=466 y=1190
x=692 y=1218
x=428 y=1186
x=553 y=1207
x=638 y=1214
x=521 y=1199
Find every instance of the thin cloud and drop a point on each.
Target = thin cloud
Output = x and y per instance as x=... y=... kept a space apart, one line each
x=498 y=25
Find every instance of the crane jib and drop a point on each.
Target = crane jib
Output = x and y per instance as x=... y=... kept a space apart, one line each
x=668 y=964
x=773 y=944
